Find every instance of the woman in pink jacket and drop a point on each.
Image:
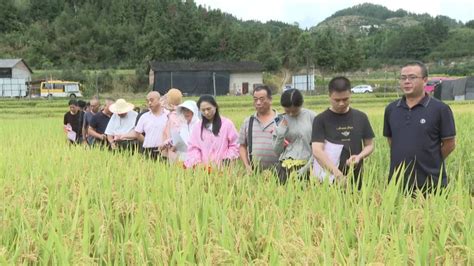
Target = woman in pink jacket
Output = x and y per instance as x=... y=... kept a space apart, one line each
x=213 y=140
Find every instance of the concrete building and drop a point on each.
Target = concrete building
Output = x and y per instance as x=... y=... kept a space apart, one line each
x=197 y=78
x=14 y=73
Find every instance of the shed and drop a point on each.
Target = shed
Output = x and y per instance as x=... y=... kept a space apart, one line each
x=197 y=78
x=14 y=73
x=458 y=89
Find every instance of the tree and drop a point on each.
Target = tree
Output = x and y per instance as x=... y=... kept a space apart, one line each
x=286 y=46
x=410 y=43
x=470 y=24
x=9 y=17
x=351 y=56
x=325 y=50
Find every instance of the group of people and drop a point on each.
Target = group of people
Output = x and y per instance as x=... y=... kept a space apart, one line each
x=299 y=143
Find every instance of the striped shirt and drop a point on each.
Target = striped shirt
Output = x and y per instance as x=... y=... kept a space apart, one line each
x=263 y=154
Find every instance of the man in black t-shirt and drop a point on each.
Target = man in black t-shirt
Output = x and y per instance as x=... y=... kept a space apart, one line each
x=73 y=120
x=341 y=124
x=99 y=122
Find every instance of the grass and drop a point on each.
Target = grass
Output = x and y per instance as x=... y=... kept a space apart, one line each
x=71 y=205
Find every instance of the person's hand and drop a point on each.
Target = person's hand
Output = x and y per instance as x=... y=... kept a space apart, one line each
x=67 y=128
x=168 y=144
x=113 y=146
x=339 y=177
x=284 y=122
x=249 y=169
x=354 y=159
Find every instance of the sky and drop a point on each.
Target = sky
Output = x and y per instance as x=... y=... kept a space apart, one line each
x=308 y=13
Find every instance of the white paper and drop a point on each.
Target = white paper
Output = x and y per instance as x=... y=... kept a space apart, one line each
x=71 y=135
x=178 y=141
x=334 y=153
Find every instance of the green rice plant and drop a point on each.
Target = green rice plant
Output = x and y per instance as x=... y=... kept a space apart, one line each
x=63 y=204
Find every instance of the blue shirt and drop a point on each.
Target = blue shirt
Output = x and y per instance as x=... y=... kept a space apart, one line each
x=416 y=135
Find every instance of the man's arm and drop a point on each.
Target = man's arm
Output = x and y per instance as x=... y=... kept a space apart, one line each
x=110 y=139
x=243 y=156
x=323 y=159
x=366 y=151
x=84 y=132
x=447 y=146
x=132 y=134
x=91 y=131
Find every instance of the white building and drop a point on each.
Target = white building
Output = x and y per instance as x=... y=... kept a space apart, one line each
x=14 y=73
x=303 y=82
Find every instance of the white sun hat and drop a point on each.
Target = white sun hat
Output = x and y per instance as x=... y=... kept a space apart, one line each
x=121 y=107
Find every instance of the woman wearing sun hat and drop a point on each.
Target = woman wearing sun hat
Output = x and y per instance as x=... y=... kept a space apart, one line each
x=121 y=122
x=188 y=114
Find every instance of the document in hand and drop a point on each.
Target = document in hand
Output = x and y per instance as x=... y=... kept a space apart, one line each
x=178 y=142
x=334 y=153
x=71 y=135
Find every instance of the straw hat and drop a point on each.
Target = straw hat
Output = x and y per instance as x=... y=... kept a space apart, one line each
x=121 y=107
x=174 y=97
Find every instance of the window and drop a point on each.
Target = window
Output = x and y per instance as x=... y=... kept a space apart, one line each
x=59 y=87
x=5 y=73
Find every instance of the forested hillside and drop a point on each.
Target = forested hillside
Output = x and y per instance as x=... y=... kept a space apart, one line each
x=128 y=33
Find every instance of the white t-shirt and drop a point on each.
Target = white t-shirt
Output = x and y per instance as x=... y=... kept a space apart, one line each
x=119 y=126
x=153 y=126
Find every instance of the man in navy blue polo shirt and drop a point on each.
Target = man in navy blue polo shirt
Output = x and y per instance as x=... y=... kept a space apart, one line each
x=420 y=131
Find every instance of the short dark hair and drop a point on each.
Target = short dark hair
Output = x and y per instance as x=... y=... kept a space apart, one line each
x=424 y=69
x=339 y=84
x=291 y=98
x=263 y=87
x=81 y=103
x=73 y=102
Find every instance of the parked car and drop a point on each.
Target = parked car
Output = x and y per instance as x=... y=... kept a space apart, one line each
x=432 y=82
x=362 y=89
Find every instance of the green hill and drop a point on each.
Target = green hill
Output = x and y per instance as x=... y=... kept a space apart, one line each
x=364 y=18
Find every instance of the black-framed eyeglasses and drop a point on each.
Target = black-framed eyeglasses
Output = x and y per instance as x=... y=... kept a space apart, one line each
x=409 y=78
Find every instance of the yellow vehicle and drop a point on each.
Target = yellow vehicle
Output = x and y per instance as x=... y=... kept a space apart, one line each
x=54 y=88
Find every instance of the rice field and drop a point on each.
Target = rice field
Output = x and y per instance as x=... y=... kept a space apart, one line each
x=64 y=205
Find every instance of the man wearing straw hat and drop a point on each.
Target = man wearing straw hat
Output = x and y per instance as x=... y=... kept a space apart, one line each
x=121 y=122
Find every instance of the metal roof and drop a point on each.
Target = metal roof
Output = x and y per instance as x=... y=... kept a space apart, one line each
x=11 y=63
x=244 y=66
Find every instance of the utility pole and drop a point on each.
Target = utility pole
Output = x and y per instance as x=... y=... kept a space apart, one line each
x=214 y=82
x=171 y=76
x=307 y=74
x=97 y=84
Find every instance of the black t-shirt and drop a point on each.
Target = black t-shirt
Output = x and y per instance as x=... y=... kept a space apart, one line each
x=349 y=129
x=75 y=121
x=99 y=122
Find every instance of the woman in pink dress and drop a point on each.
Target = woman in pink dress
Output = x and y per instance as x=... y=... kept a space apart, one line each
x=214 y=139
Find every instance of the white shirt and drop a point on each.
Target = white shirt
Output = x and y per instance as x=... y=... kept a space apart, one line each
x=118 y=125
x=153 y=126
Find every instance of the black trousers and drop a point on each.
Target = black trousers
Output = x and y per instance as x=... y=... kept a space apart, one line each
x=283 y=173
x=128 y=145
x=153 y=153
